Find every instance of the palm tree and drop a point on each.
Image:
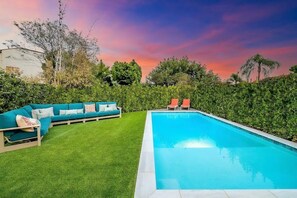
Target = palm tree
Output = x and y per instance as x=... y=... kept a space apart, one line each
x=262 y=64
x=234 y=79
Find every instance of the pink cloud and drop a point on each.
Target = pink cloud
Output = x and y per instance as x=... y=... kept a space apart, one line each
x=218 y=46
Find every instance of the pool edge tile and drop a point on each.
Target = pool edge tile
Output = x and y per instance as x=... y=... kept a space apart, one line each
x=203 y=193
x=249 y=193
x=287 y=193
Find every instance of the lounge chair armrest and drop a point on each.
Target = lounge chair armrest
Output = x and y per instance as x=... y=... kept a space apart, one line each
x=16 y=128
x=119 y=108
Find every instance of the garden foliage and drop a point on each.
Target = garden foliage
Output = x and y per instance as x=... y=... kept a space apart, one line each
x=270 y=105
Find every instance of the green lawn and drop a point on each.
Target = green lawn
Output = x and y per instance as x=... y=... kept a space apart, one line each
x=95 y=159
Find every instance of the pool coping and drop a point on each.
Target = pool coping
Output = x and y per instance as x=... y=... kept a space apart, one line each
x=146 y=180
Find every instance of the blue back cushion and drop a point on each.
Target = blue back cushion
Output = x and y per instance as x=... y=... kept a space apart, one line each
x=40 y=106
x=23 y=112
x=76 y=106
x=29 y=109
x=58 y=107
x=7 y=120
x=103 y=103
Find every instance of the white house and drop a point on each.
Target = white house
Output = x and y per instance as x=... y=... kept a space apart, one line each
x=27 y=62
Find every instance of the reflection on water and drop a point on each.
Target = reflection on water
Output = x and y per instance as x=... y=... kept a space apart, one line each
x=192 y=143
x=198 y=152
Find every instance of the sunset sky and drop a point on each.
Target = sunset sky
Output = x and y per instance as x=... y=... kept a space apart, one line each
x=220 y=34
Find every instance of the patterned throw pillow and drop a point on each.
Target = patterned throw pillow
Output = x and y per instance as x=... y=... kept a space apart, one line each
x=90 y=108
x=23 y=121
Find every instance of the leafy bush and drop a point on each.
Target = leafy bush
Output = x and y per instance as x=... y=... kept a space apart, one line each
x=270 y=105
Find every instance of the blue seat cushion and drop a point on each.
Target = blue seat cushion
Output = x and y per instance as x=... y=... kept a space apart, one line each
x=108 y=113
x=77 y=116
x=22 y=135
x=40 y=106
x=91 y=114
x=76 y=106
x=58 y=107
x=103 y=103
x=58 y=118
x=45 y=124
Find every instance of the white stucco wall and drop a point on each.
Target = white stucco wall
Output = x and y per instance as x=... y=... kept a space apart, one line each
x=26 y=60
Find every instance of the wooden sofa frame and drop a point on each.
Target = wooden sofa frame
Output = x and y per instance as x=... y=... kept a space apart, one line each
x=68 y=122
x=4 y=148
x=13 y=147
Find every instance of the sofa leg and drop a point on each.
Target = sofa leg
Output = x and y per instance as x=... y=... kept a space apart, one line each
x=68 y=123
x=84 y=121
x=38 y=136
x=2 y=142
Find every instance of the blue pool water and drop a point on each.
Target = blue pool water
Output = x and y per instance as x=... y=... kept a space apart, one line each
x=193 y=151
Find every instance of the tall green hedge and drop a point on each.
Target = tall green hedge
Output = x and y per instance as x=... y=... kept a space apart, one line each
x=270 y=105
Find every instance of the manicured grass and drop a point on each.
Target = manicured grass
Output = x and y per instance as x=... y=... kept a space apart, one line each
x=95 y=159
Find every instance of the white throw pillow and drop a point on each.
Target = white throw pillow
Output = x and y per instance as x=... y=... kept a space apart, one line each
x=102 y=107
x=62 y=112
x=49 y=111
x=113 y=107
x=73 y=111
x=35 y=113
x=108 y=109
x=43 y=113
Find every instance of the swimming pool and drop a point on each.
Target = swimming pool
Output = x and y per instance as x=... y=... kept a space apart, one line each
x=194 y=151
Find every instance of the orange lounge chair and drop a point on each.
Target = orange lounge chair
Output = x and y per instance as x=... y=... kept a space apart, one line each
x=173 y=105
x=186 y=104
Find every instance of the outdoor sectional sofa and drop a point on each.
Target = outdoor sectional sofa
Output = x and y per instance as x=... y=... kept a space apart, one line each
x=10 y=133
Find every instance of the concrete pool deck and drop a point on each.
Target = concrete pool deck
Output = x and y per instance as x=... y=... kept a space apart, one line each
x=146 y=179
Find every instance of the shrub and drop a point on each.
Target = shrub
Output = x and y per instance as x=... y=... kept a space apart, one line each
x=270 y=105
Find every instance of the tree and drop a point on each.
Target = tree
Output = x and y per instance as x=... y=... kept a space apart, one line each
x=103 y=74
x=50 y=35
x=262 y=64
x=101 y=71
x=79 y=75
x=173 y=71
x=234 y=79
x=293 y=69
x=126 y=73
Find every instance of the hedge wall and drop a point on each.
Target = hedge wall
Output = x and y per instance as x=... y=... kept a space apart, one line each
x=270 y=105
